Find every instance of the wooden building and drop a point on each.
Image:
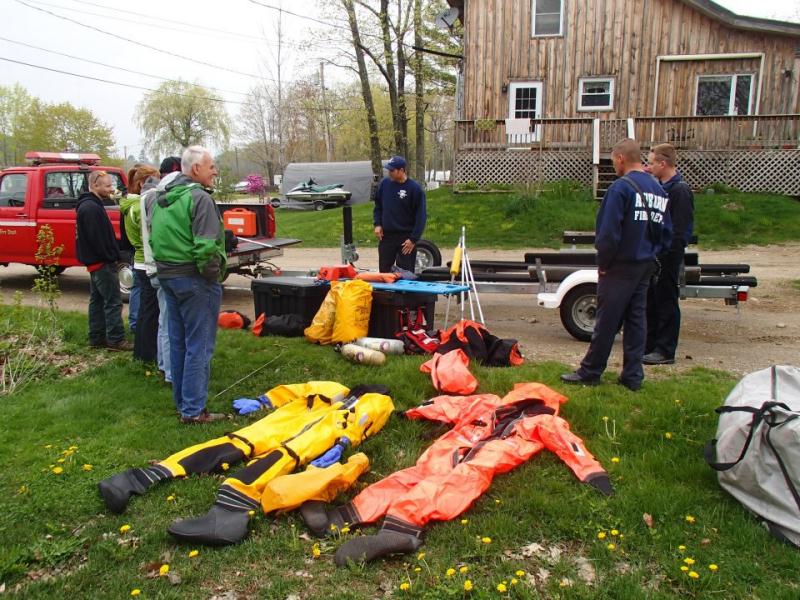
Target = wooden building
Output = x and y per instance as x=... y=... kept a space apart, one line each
x=722 y=87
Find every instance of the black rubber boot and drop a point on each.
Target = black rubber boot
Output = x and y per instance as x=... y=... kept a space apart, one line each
x=117 y=490
x=218 y=527
x=370 y=547
x=319 y=517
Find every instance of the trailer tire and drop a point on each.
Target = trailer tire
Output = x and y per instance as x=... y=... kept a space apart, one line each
x=318 y=206
x=578 y=311
x=125 y=274
x=275 y=202
x=428 y=255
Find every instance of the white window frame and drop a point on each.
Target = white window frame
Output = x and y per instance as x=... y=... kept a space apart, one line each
x=560 y=22
x=538 y=111
x=733 y=77
x=611 y=91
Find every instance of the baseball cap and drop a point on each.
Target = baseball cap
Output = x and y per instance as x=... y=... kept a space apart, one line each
x=396 y=162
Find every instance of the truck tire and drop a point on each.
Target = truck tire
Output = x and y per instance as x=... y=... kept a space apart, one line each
x=275 y=202
x=125 y=273
x=578 y=311
x=428 y=255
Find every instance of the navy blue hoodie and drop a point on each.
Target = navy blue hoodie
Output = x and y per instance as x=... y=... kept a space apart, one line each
x=400 y=208
x=621 y=229
x=681 y=210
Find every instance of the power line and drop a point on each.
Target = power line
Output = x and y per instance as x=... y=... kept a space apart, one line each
x=128 y=85
x=142 y=44
x=94 y=62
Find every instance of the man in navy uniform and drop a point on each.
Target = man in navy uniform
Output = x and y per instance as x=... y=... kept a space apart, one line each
x=399 y=217
x=632 y=227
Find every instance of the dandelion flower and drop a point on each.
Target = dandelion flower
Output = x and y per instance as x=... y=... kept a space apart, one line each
x=251 y=513
x=194 y=553
x=420 y=556
x=614 y=532
x=345 y=530
x=690 y=519
x=501 y=587
x=694 y=574
x=668 y=435
x=497 y=501
x=611 y=547
x=486 y=540
x=519 y=573
x=689 y=561
x=171 y=498
x=147 y=373
x=601 y=535
x=451 y=571
x=615 y=459
x=60 y=460
x=684 y=568
x=417 y=569
x=621 y=536
x=87 y=467
x=712 y=567
x=605 y=419
x=405 y=586
x=463 y=569
x=48 y=446
x=514 y=581
x=163 y=570
x=464 y=521
x=467 y=586
x=334 y=527
x=315 y=551
x=225 y=466
x=681 y=547
x=58 y=470
x=125 y=529
x=136 y=592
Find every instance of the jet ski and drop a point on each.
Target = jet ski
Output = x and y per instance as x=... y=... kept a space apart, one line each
x=318 y=196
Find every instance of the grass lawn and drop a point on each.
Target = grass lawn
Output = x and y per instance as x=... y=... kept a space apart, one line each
x=58 y=542
x=507 y=221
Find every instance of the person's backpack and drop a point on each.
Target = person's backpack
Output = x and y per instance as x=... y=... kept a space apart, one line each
x=757 y=448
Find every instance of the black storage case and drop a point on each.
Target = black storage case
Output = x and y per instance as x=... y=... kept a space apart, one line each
x=288 y=295
x=384 y=320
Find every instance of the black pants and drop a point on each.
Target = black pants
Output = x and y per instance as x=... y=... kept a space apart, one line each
x=663 y=310
x=145 y=345
x=621 y=299
x=390 y=252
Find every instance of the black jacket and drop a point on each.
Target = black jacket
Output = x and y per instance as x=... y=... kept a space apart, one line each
x=95 y=240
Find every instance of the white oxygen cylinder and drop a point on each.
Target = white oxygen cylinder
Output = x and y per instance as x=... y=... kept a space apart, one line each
x=364 y=356
x=385 y=345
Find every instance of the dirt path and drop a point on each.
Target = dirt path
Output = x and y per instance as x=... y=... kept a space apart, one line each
x=764 y=330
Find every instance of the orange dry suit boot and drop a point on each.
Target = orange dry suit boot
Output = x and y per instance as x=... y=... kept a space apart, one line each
x=310 y=419
x=490 y=435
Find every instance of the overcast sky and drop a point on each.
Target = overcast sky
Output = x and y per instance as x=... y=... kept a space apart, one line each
x=236 y=35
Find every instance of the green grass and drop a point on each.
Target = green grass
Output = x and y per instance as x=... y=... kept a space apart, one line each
x=58 y=542
x=507 y=221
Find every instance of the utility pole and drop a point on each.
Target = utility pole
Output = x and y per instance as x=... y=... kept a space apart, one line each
x=236 y=153
x=328 y=145
x=125 y=154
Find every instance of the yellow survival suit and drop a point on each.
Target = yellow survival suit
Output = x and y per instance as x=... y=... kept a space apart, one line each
x=310 y=419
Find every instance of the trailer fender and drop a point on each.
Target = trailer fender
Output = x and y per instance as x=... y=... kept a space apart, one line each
x=553 y=299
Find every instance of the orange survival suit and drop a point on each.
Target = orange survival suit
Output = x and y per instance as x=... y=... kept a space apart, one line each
x=490 y=435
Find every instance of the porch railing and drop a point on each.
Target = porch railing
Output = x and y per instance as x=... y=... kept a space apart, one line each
x=599 y=135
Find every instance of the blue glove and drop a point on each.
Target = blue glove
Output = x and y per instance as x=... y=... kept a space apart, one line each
x=245 y=406
x=333 y=455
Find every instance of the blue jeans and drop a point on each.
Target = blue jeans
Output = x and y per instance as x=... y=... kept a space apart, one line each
x=105 y=307
x=134 y=300
x=192 y=312
x=164 y=362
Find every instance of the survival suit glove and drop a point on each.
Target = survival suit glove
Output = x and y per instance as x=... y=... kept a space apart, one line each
x=333 y=455
x=245 y=406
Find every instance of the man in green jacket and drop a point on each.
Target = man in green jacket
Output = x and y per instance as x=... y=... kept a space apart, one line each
x=189 y=249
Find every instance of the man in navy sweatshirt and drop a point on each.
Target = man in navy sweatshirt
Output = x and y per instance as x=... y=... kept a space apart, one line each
x=399 y=217
x=633 y=225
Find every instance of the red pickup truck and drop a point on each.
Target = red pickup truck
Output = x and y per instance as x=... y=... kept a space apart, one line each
x=46 y=191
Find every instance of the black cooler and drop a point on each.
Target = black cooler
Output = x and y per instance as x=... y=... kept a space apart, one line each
x=384 y=320
x=288 y=295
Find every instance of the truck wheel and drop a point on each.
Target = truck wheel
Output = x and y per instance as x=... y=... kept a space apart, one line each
x=318 y=206
x=428 y=255
x=125 y=273
x=275 y=202
x=578 y=311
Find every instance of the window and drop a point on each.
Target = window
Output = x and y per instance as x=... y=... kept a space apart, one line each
x=62 y=186
x=12 y=189
x=546 y=17
x=724 y=95
x=596 y=94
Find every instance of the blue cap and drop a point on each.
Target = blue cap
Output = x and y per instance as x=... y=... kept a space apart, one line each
x=396 y=162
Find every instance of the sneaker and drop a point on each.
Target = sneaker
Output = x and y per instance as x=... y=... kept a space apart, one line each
x=123 y=346
x=577 y=379
x=202 y=418
x=656 y=358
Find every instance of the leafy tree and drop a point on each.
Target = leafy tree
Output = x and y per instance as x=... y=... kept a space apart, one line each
x=180 y=114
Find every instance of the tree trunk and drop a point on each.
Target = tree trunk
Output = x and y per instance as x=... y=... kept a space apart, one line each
x=391 y=77
x=366 y=91
x=419 y=89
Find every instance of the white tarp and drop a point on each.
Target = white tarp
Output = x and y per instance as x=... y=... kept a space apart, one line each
x=356 y=177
